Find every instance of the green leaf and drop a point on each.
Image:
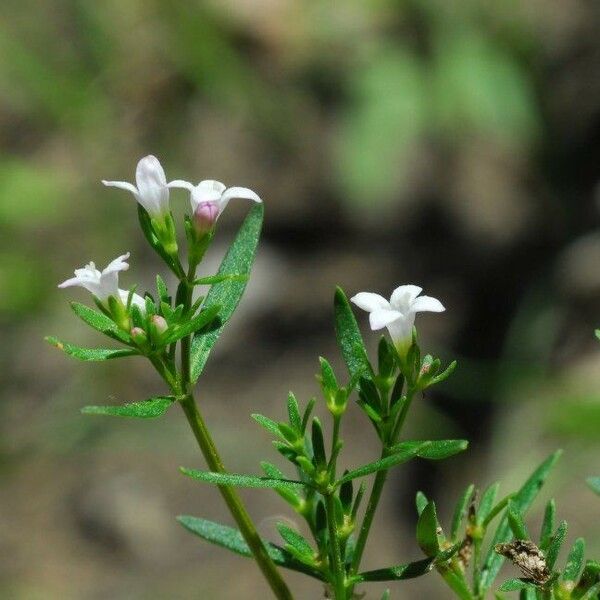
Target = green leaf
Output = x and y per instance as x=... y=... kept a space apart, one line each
x=294 y=412
x=516 y=523
x=212 y=279
x=594 y=483
x=522 y=500
x=421 y=502
x=318 y=443
x=204 y=318
x=349 y=338
x=383 y=464
x=328 y=380
x=555 y=544
x=460 y=511
x=231 y=539
x=499 y=507
x=427 y=531
x=487 y=503
x=385 y=595
x=267 y=423
x=407 y=571
x=589 y=577
x=100 y=322
x=574 y=561
x=161 y=289
x=227 y=294
x=296 y=542
x=90 y=354
x=307 y=411
x=147 y=409
x=436 y=449
x=592 y=593
x=512 y=585
x=237 y=480
x=547 y=525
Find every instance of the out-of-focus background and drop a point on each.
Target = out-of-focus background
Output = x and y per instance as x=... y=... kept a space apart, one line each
x=450 y=144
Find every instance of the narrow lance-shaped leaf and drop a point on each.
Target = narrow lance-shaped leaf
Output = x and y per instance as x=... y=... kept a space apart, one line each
x=227 y=294
x=349 y=337
x=574 y=561
x=231 y=539
x=296 y=542
x=555 y=544
x=427 y=531
x=407 y=571
x=383 y=463
x=512 y=585
x=461 y=511
x=487 y=502
x=147 y=409
x=434 y=449
x=205 y=317
x=90 y=354
x=100 y=322
x=294 y=412
x=548 y=525
x=238 y=480
x=522 y=500
x=516 y=523
x=421 y=501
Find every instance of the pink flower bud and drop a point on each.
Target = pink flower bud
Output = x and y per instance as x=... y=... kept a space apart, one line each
x=159 y=324
x=139 y=336
x=205 y=216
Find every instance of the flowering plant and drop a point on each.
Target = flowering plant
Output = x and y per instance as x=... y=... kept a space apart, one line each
x=176 y=333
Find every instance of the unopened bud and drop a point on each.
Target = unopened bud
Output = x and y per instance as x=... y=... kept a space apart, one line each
x=138 y=335
x=205 y=216
x=159 y=324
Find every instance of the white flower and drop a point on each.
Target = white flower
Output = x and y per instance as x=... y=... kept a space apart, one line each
x=210 y=194
x=151 y=191
x=398 y=315
x=104 y=284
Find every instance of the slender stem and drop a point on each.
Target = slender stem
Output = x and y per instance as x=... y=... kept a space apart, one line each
x=237 y=509
x=334 y=446
x=374 y=498
x=378 y=484
x=339 y=573
x=214 y=462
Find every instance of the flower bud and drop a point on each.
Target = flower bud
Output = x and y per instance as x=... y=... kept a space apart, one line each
x=139 y=336
x=205 y=216
x=159 y=324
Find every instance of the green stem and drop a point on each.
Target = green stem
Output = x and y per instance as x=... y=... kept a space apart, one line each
x=339 y=573
x=374 y=498
x=213 y=460
x=237 y=509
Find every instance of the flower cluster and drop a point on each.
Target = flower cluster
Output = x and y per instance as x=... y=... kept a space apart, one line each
x=208 y=200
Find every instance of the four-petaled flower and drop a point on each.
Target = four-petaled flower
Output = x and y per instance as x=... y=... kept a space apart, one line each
x=398 y=315
x=151 y=189
x=104 y=284
x=210 y=198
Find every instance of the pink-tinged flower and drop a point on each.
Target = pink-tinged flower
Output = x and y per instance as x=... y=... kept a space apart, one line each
x=103 y=284
x=151 y=189
x=397 y=314
x=210 y=198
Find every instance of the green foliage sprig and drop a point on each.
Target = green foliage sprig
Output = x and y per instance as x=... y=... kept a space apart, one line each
x=176 y=332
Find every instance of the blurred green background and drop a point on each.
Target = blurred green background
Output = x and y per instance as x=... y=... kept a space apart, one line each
x=454 y=144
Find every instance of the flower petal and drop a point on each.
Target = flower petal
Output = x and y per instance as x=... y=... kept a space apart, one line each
x=404 y=295
x=109 y=280
x=136 y=300
x=152 y=186
x=179 y=183
x=124 y=185
x=369 y=301
x=427 y=304
x=383 y=317
x=238 y=192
